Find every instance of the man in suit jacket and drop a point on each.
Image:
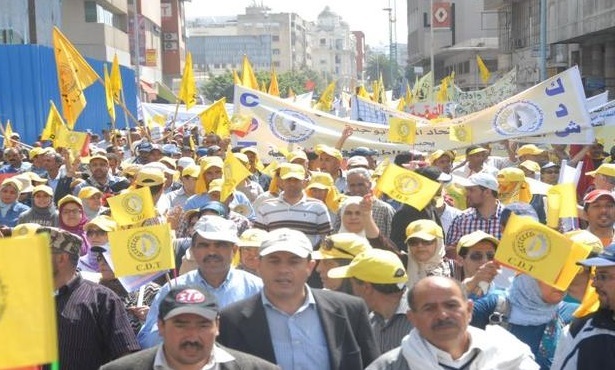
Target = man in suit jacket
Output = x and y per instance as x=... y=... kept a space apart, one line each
x=295 y=326
x=188 y=322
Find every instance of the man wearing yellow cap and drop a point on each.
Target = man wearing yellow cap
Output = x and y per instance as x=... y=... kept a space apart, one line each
x=100 y=177
x=604 y=177
x=378 y=276
x=476 y=156
x=331 y=162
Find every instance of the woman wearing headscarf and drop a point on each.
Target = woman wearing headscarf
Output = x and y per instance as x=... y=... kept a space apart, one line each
x=43 y=211
x=533 y=311
x=73 y=219
x=426 y=253
x=10 y=208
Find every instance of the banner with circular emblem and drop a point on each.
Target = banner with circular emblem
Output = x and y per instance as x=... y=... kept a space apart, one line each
x=132 y=207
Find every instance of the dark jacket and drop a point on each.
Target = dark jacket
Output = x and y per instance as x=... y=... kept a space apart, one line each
x=144 y=360
x=243 y=326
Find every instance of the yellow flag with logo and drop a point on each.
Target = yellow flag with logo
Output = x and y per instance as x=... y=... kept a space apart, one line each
x=483 y=70
x=248 y=79
x=215 y=119
x=234 y=172
x=561 y=205
x=74 y=75
x=402 y=130
x=141 y=250
x=325 y=103
x=133 y=206
x=8 y=131
x=53 y=125
x=109 y=95
x=187 y=89
x=116 y=80
x=27 y=309
x=73 y=140
x=539 y=251
x=407 y=186
x=461 y=133
x=362 y=92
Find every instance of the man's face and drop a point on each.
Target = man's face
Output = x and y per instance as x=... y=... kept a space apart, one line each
x=329 y=163
x=602 y=182
x=212 y=173
x=96 y=236
x=99 y=168
x=210 y=140
x=323 y=268
x=212 y=256
x=444 y=163
x=50 y=164
x=188 y=339
x=596 y=151
x=249 y=257
x=478 y=254
x=357 y=184
x=292 y=187
x=155 y=155
x=475 y=196
x=477 y=159
x=604 y=282
x=440 y=313
x=284 y=274
x=94 y=202
x=601 y=213
x=189 y=183
x=13 y=158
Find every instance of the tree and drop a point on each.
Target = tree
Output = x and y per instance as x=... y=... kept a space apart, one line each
x=381 y=64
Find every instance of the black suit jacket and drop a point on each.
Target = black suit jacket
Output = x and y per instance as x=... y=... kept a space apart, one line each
x=144 y=360
x=243 y=326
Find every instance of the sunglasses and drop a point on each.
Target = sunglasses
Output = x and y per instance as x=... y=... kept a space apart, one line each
x=327 y=244
x=415 y=242
x=480 y=256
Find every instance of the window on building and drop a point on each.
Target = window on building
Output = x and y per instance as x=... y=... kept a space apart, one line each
x=276 y=64
x=338 y=59
x=275 y=51
x=96 y=13
x=323 y=42
x=275 y=38
x=323 y=62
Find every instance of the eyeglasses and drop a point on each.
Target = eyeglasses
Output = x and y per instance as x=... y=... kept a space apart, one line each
x=95 y=232
x=71 y=211
x=480 y=256
x=414 y=242
x=327 y=244
x=603 y=277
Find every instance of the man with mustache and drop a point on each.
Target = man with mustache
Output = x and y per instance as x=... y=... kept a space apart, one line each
x=587 y=343
x=213 y=245
x=189 y=323
x=442 y=339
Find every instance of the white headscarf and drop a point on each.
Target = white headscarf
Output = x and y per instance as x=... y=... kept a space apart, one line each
x=348 y=201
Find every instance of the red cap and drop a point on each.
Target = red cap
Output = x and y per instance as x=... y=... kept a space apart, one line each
x=593 y=196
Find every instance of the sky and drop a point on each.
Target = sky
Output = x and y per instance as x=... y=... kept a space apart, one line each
x=367 y=17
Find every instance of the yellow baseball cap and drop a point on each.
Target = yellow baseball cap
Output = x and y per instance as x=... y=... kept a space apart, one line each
x=169 y=162
x=104 y=223
x=439 y=153
x=376 y=266
x=607 y=169
x=34 y=177
x=297 y=154
x=530 y=149
x=208 y=162
x=470 y=240
x=44 y=188
x=511 y=174
x=252 y=238
x=87 y=192
x=13 y=182
x=424 y=229
x=242 y=158
x=34 y=152
x=320 y=180
x=130 y=169
x=587 y=238
x=295 y=171
x=319 y=149
x=25 y=229
x=530 y=165
x=342 y=245
x=192 y=170
x=99 y=156
x=148 y=176
x=215 y=185
x=251 y=149
x=68 y=199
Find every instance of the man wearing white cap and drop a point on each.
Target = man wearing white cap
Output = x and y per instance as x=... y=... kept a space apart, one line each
x=289 y=323
x=214 y=243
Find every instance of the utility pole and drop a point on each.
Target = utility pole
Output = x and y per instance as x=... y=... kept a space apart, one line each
x=392 y=48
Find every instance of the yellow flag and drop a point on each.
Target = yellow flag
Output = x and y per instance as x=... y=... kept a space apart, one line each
x=409 y=97
x=274 y=89
x=401 y=130
x=191 y=143
x=53 y=125
x=8 y=131
x=263 y=87
x=187 y=89
x=132 y=207
x=461 y=133
x=442 y=95
x=215 y=119
x=236 y=79
x=234 y=172
x=482 y=68
x=141 y=250
x=248 y=79
x=109 y=95
x=382 y=93
x=424 y=88
x=362 y=92
x=74 y=75
x=401 y=104
x=562 y=205
x=325 y=103
x=27 y=308
x=407 y=186
x=116 y=80
x=590 y=302
x=72 y=140
x=539 y=251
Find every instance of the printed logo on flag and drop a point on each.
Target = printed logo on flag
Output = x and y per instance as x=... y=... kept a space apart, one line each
x=66 y=77
x=532 y=245
x=144 y=246
x=403 y=129
x=520 y=117
x=133 y=204
x=73 y=138
x=406 y=184
x=287 y=129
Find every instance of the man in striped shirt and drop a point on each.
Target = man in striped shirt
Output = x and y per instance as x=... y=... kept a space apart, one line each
x=293 y=209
